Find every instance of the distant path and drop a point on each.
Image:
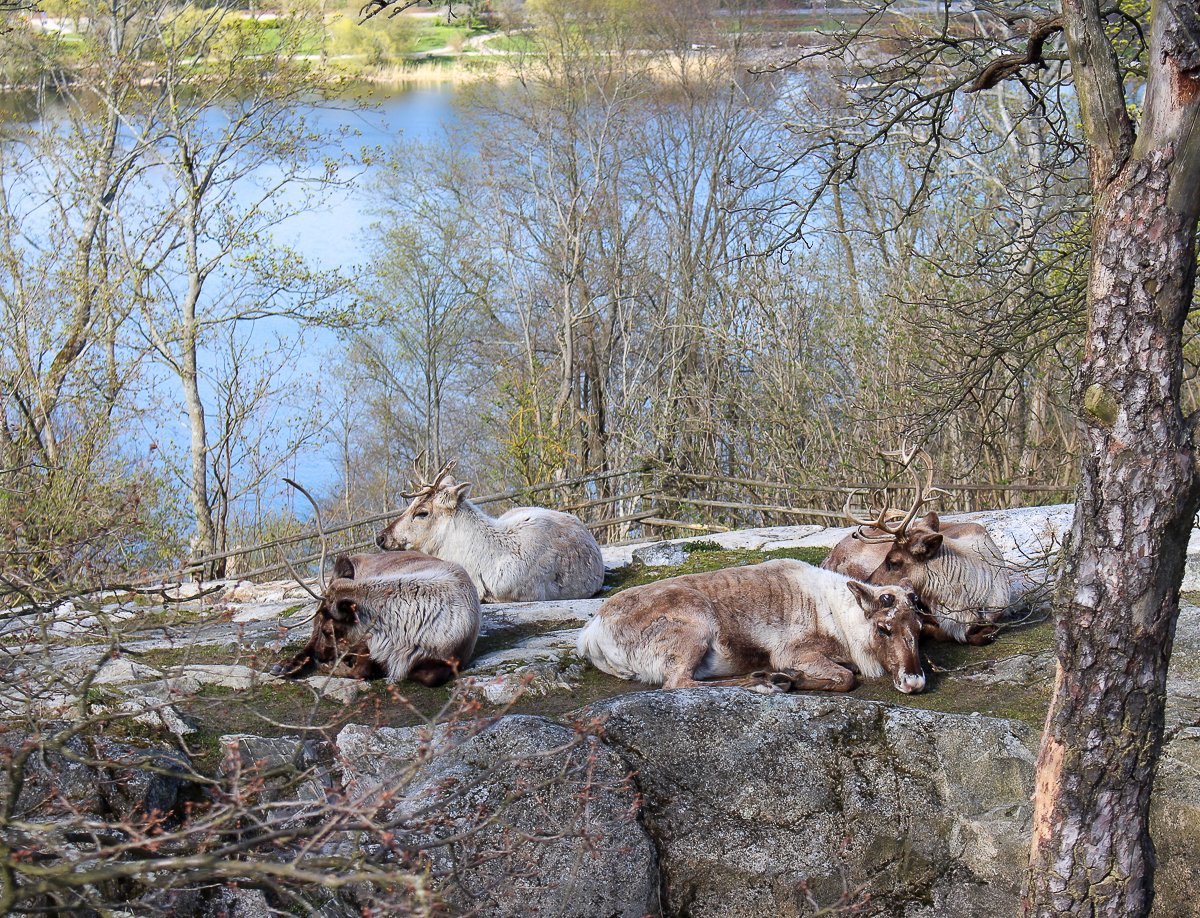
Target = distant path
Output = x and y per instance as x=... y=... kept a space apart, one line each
x=471 y=43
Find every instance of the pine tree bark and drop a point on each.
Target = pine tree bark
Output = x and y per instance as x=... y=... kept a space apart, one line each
x=1118 y=597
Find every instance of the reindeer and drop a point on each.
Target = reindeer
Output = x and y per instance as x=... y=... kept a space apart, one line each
x=399 y=614
x=815 y=628
x=527 y=554
x=957 y=569
x=403 y=614
x=328 y=641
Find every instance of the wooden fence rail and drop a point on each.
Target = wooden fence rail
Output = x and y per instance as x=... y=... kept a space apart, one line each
x=632 y=504
x=864 y=486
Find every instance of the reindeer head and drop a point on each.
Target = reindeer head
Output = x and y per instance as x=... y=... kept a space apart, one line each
x=896 y=545
x=351 y=603
x=342 y=606
x=432 y=504
x=894 y=614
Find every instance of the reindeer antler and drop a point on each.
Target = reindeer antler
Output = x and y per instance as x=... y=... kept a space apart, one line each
x=925 y=493
x=429 y=487
x=324 y=546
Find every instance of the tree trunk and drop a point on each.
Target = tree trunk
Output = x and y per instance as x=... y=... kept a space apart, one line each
x=1118 y=597
x=206 y=542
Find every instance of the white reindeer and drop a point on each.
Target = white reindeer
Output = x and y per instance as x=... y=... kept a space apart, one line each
x=527 y=554
x=413 y=616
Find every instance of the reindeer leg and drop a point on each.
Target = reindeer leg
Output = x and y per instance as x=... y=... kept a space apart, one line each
x=761 y=681
x=300 y=665
x=679 y=669
x=935 y=632
x=812 y=670
x=364 y=667
x=980 y=635
x=685 y=648
x=976 y=635
x=433 y=672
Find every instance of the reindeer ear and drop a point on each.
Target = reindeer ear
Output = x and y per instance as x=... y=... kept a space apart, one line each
x=343 y=567
x=931 y=521
x=926 y=547
x=862 y=594
x=450 y=494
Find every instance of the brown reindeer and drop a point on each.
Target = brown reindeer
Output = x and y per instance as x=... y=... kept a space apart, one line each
x=810 y=628
x=957 y=569
x=328 y=641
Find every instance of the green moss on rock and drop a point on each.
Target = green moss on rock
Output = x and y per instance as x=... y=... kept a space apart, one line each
x=949 y=689
x=702 y=556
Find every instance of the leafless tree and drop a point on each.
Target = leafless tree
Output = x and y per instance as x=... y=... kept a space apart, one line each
x=232 y=163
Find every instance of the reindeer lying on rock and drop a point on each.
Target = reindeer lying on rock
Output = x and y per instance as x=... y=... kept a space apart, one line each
x=957 y=569
x=526 y=555
x=403 y=615
x=814 y=628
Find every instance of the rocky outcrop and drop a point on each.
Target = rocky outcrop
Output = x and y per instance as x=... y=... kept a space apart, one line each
x=783 y=805
x=525 y=817
x=700 y=802
x=68 y=773
x=788 y=804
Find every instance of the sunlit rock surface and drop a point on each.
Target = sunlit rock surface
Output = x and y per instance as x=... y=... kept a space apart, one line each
x=545 y=816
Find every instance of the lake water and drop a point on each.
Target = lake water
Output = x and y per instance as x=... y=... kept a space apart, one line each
x=337 y=233
x=334 y=234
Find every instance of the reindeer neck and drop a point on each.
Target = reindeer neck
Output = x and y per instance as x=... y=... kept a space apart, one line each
x=854 y=632
x=471 y=530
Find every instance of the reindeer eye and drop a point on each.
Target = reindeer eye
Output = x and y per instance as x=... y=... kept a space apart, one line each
x=420 y=514
x=887 y=600
x=892 y=564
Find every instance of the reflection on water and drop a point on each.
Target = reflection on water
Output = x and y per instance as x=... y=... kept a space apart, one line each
x=21 y=106
x=370 y=117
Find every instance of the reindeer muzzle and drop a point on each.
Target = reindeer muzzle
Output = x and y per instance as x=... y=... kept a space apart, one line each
x=910 y=684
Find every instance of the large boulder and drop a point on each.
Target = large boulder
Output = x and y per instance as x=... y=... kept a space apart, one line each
x=525 y=817
x=69 y=777
x=788 y=804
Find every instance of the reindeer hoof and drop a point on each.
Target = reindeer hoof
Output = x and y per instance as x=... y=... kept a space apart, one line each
x=771 y=683
x=981 y=635
x=277 y=669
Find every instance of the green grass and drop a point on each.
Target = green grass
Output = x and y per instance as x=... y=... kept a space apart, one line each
x=948 y=692
x=512 y=43
x=432 y=36
x=271 y=37
x=702 y=556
